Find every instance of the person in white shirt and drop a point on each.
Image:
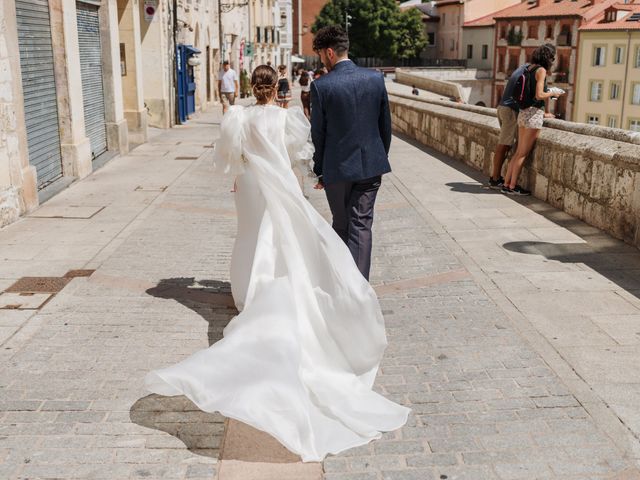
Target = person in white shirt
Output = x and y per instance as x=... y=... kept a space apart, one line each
x=228 y=86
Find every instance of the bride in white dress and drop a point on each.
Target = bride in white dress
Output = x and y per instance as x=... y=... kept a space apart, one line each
x=300 y=359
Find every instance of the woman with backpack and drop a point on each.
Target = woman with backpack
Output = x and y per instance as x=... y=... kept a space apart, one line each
x=531 y=92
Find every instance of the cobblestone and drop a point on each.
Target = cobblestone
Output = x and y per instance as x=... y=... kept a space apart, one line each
x=485 y=404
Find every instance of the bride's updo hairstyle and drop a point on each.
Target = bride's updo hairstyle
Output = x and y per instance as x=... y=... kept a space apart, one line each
x=264 y=83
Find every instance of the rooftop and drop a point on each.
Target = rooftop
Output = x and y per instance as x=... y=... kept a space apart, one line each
x=587 y=9
x=629 y=21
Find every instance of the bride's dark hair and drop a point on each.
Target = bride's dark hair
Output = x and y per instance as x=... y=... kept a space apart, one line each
x=264 y=82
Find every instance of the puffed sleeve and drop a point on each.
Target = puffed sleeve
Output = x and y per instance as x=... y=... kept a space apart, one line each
x=297 y=138
x=227 y=156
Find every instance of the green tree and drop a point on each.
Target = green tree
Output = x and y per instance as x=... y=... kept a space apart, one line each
x=409 y=36
x=377 y=27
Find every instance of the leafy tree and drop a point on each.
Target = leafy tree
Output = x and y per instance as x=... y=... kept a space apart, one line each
x=409 y=36
x=377 y=27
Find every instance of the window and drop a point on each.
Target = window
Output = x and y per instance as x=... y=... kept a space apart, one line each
x=596 y=91
x=533 y=30
x=503 y=32
x=637 y=59
x=618 y=56
x=612 y=122
x=614 y=94
x=431 y=37
x=599 y=54
x=593 y=119
x=635 y=93
x=501 y=62
x=634 y=124
x=469 y=52
x=513 y=62
x=444 y=18
x=452 y=45
x=258 y=30
x=485 y=52
x=549 y=31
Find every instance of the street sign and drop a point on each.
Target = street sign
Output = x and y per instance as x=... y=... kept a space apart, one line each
x=150 y=9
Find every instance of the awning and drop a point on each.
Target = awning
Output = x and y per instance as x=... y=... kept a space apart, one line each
x=295 y=59
x=190 y=50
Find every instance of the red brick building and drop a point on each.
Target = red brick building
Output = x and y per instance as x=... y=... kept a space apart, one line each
x=304 y=15
x=520 y=29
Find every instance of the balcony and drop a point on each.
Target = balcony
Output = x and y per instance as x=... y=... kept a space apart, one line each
x=514 y=37
x=564 y=39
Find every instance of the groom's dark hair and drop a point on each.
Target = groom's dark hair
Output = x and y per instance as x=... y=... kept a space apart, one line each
x=333 y=37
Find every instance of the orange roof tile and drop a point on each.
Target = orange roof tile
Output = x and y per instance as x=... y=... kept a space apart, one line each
x=553 y=8
x=598 y=23
x=486 y=21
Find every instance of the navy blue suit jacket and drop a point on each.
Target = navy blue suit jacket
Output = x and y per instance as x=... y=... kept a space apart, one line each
x=350 y=124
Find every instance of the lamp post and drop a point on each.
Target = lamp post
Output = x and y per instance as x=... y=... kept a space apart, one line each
x=347 y=23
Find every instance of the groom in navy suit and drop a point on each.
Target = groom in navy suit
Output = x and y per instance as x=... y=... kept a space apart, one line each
x=351 y=132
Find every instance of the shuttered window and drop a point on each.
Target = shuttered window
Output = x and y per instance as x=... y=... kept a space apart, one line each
x=91 y=71
x=39 y=88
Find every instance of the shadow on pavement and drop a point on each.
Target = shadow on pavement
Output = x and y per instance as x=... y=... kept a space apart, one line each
x=618 y=262
x=612 y=258
x=470 y=187
x=211 y=299
x=201 y=432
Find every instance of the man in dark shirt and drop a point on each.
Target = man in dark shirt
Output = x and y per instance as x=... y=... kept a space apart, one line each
x=508 y=119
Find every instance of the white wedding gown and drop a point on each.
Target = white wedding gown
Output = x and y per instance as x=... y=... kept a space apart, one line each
x=300 y=359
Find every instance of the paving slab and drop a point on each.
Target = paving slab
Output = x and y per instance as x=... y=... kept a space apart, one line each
x=489 y=398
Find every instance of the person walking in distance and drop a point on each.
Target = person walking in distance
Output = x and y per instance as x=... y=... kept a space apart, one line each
x=351 y=132
x=284 y=90
x=228 y=86
x=305 y=93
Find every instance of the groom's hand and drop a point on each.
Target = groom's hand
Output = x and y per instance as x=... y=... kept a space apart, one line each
x=319 y=185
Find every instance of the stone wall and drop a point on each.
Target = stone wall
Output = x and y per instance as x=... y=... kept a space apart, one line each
x=423 y=82
x=593 y=178
x=469 y=84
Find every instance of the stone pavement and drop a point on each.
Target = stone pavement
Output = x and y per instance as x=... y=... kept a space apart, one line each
x=511 y=346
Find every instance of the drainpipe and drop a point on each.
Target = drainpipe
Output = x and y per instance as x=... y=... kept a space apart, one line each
x=176 y=106
x=220 y=34
x=299 y=27
x=626 y=75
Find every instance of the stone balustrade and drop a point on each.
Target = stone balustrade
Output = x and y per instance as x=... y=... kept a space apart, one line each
x=592 y=173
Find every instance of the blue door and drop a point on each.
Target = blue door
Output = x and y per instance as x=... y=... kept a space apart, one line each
x=186 y=88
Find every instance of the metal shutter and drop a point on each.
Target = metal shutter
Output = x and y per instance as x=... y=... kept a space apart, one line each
x=91 y=70
x=39 y=87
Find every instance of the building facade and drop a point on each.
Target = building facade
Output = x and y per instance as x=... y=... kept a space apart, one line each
x=430 y=22
x=68 y=103
x=237 y=32
x=81 y=81
x=608 y=80
x=478 y=39
x=284 y=26
x=265 y=33
x=524 y=27
x=453 y=15
x=304 y=16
